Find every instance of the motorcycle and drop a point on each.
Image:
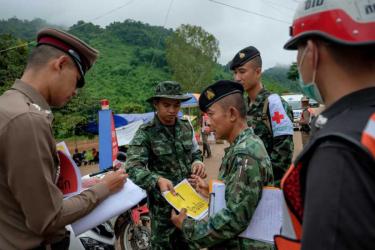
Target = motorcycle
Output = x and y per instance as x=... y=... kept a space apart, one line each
x=133 y=228
x=101 y=237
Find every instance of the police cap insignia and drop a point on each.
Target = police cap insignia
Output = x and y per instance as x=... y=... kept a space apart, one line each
x=217 y=91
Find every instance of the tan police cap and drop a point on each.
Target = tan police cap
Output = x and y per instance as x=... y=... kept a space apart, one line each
x=82 y=54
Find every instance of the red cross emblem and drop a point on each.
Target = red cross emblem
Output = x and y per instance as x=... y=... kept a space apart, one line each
x=277 y=117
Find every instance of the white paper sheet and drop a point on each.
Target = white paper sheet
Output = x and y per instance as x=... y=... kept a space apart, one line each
x=114 y=205
x=217 y=198
x=267 y=218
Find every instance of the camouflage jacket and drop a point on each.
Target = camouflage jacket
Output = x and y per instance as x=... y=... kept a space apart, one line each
x=155 y=151
x=280 y=148
x=245 y=169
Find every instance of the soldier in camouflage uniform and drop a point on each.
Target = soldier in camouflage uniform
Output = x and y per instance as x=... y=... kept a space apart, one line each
x=269 y=115
x=245 y=169
x=162 y=153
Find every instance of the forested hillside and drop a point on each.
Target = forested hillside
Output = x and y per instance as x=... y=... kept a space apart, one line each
x=133 y=59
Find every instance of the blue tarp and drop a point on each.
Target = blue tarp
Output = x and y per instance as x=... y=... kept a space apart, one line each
x=145 y=117
x=192 y=102
x=123 y=120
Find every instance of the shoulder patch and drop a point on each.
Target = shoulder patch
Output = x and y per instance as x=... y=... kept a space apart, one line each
x=280 y=121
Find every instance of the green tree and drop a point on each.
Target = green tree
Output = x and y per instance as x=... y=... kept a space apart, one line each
x=79 y=111
x=192 y=53
x=293 y=72
x=12 y=61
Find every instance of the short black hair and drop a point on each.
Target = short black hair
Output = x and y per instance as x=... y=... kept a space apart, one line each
x=235 y=100
x=257 y=61
x=40 y=55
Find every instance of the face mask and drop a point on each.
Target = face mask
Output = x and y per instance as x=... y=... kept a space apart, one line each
x=309 y=89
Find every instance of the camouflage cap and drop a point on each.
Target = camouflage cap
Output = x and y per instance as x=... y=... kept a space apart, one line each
x=170 y=90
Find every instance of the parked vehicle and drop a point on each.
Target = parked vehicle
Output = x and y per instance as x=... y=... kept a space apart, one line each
x=133 y=228
x=101 y=237
x=294 y=100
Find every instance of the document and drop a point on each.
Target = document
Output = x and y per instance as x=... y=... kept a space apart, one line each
x=267 y=218
x=187 y=197
x=217 y=197
x=129 y=196
x=69 y=181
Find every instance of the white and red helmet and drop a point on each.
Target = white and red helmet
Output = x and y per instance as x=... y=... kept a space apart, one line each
x=350 y=22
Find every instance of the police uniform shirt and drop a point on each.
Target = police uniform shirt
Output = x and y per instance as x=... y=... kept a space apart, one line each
x=339 y=180
x=32 y=209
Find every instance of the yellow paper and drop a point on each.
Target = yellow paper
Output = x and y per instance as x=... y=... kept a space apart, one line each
x=188 y=198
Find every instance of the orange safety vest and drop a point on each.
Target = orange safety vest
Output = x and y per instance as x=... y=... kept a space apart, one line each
x=291 y=183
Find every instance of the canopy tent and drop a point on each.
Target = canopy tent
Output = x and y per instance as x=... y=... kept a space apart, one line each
x=122 y=120
x=192 y=102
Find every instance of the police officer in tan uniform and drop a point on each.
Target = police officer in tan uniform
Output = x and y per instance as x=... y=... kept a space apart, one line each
x=304 y=121
x=33 y=213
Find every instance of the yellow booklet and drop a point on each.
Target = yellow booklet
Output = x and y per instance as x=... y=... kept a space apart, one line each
x=187 y=197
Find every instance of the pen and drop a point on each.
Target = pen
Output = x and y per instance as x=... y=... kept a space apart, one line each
x=180 y=196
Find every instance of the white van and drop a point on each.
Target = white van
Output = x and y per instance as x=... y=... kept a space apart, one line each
x=294 y=101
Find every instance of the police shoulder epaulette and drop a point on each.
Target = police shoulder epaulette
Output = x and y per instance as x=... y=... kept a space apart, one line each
x=36 y=107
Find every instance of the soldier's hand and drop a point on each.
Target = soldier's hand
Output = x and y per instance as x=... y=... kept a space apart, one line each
x=199 y=169
x=115 y=180
x=177 y=220
x=166 y=185
x=200 y=185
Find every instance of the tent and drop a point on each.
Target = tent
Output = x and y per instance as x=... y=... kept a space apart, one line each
x=191 y=103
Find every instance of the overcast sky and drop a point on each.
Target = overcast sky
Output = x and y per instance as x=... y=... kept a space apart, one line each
x=235 y=27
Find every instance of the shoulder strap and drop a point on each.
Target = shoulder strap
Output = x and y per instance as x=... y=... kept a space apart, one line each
x=336 y=136
x=265 y=117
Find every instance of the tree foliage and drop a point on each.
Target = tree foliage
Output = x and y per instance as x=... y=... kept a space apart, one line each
x=278 y=76
x=293 y=72
x=192 y=54
x=12 y=61
x=133 y=59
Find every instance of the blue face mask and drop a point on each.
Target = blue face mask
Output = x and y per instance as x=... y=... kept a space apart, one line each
x=309 y=89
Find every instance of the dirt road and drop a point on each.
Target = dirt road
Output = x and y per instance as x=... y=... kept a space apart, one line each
x=212 y=163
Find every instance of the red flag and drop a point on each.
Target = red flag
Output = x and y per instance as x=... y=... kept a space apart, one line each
x=114 y=140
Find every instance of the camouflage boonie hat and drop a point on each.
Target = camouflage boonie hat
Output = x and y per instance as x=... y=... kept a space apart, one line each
x=170 y=90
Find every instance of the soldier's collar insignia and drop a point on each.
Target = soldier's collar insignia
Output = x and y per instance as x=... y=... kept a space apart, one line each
x=210 y=94
x=241 y=55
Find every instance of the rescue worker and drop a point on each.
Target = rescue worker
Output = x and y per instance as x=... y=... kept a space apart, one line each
x=33 y=213
x=269 y=115
x=162 y=153
x=305 y=119
x=245 y=169
x=330 y=187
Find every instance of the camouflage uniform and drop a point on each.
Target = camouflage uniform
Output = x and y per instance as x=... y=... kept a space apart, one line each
x=280 y=148
x=162 y=151
x=245 y=169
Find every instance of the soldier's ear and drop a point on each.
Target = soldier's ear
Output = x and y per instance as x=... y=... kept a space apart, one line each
x=233 y=113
